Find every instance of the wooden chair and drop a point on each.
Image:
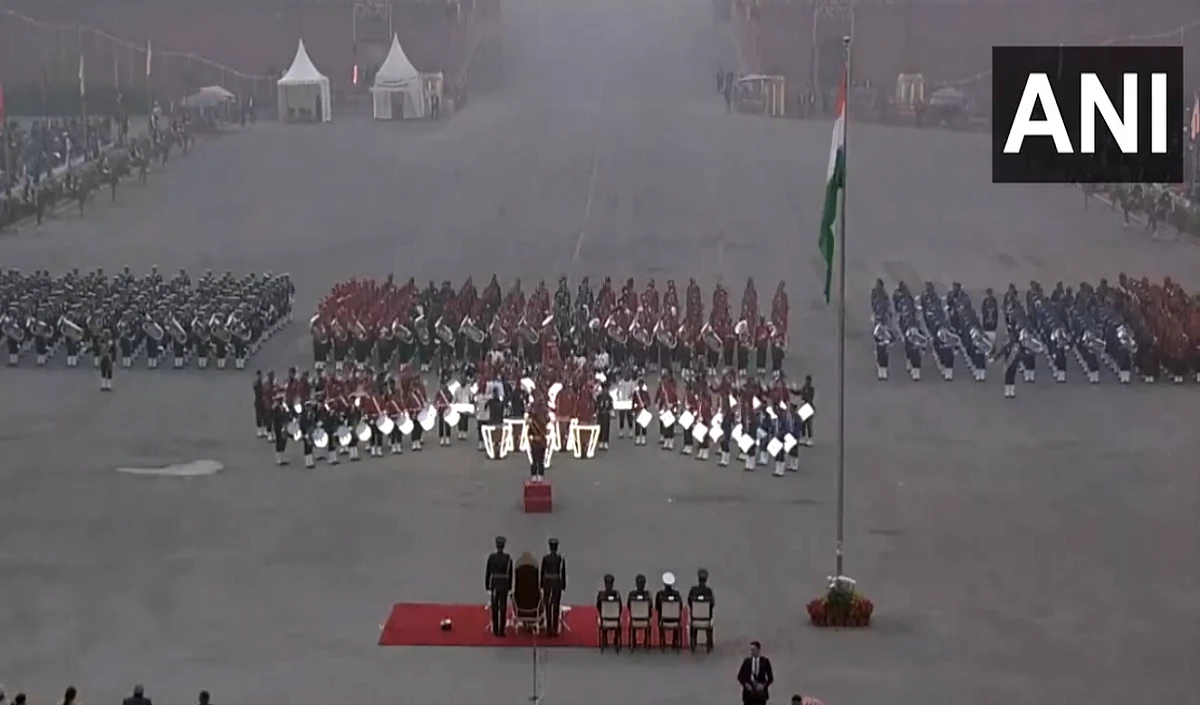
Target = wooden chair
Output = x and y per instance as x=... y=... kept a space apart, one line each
x=640 y=614
x=700 y=622
x=610 y=624
x=670 y=625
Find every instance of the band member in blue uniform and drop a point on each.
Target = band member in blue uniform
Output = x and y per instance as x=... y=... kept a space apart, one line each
x=105 y=348
x=808 y=395
x=990 y=315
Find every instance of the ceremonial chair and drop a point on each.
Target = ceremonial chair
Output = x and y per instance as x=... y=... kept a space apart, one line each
x=640 y=614
x=610 y=624
x=528 y=611
x=700 y=621
x=670 y=625
x=514 y=436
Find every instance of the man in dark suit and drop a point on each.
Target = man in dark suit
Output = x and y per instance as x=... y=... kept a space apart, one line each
x=756 y=677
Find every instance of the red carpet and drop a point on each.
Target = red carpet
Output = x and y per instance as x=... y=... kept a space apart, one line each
x=419 y=624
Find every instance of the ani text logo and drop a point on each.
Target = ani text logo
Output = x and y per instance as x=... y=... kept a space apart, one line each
x=1087 y=114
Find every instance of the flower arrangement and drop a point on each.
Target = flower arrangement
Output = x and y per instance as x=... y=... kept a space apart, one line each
x=840 y=606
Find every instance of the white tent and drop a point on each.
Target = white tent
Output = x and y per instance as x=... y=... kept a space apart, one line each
x=399 y=90
x=304 y=91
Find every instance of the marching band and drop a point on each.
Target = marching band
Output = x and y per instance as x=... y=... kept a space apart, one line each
x=216 y=318
x=369 y=323
x=569 y=404
x=1137 y=327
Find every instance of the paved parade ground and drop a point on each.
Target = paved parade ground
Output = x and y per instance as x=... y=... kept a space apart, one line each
x=1041 y=551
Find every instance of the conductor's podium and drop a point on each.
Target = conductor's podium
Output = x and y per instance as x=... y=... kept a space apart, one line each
x=537 y=497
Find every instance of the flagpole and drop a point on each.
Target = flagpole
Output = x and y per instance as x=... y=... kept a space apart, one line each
x=83 y=109
x=841 y=246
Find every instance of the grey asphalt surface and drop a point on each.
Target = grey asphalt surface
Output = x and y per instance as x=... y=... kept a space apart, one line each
x=1042 y=550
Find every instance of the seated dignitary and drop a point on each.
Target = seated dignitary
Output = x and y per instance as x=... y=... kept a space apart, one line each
x=700 y=600
x=609 y=609
x=641 y=611
x=668 y=605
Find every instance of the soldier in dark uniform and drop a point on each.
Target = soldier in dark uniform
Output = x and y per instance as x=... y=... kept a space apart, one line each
x=331 y=420
x=808 y=395
x=202 y=344
x=554 y=581
x=700 y=592
x=308 y=424
x=72 y=345
x=106 y=361
x=668 y=593
x=240 y=346
x=990 y=313
x=220 y=352
x=639 y=591
x=610 y=593
x=260 y=407
x=604 y=412
x=498 y=581
x=341 y=347
x=1012 y=355
x=179 y=346
x=128 y=338
x=279 y=421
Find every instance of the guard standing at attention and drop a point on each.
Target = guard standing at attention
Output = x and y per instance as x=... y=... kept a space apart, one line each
x=498 y=581
x=554 y=581
x=105 y=352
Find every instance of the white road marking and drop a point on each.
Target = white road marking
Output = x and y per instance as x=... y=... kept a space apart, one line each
x=196 y=468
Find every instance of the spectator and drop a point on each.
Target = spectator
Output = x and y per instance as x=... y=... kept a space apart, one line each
x=70 y=697
x=138 y=697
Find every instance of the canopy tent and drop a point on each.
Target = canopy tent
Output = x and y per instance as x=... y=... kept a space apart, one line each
x=209 y=97
x=304 y=91
x=399 y=90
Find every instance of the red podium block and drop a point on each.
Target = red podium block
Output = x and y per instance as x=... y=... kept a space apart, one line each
x=537 y=497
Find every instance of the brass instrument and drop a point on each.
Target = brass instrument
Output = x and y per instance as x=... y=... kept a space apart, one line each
x=443 y=331
x=639 y=332
x=527 y=332
x=500 y=336
x=615 y=331
x=421 y=326
x=1126 y=339
x=711 y=338
x=949 y=337
x=178 y=334
x=402 y=332
x=883 y=335
x=40 y=328
x=1030 y=342
x=236 y=328
x=360 y=331
x=12 y=330
x=665 y=336
x=916 y=338
x=778 y=335
x=981 y=342
x=339 y=331
x=70 y=329
x=1093 y=342
x=315 y=326
x=153 y=330
x=742 y=331
x=200 y=328
x=217 y=328
x=470 y=331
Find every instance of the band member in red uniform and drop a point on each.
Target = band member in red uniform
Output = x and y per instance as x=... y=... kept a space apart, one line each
x=641 y=402
x=667 y=399
x=704 y=415
x=779 y=319
x=417 y=401
x=395 y=410
x=691 y=402
x=268 y=402
x=720 y=319
x=762 y=342
x=539 y=418
x=442 y=407
x=373 y=407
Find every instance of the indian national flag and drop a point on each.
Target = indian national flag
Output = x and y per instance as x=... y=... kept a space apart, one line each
x=835 y=184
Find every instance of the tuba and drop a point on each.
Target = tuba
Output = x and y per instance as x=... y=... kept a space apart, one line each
x=315 y=326
x=500 y=336
x=359 y=330
x=883 y=335
x=470 y=331
x=70 y=329
x=1093 y=342
x=916 y=338
x=639 y=333
x=402 y=332
x=218 y=329
x=1030 y=342
x=152 y=329
x=178 y=334
x=443 y=331
x=981 y=342
x=422 y=328
x=948 y=337
x=711 y=338
x=526 y=331
x=742 y=331
x=200 y=328
x=665 y=336
x=1126 y=339
x=615 y=331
